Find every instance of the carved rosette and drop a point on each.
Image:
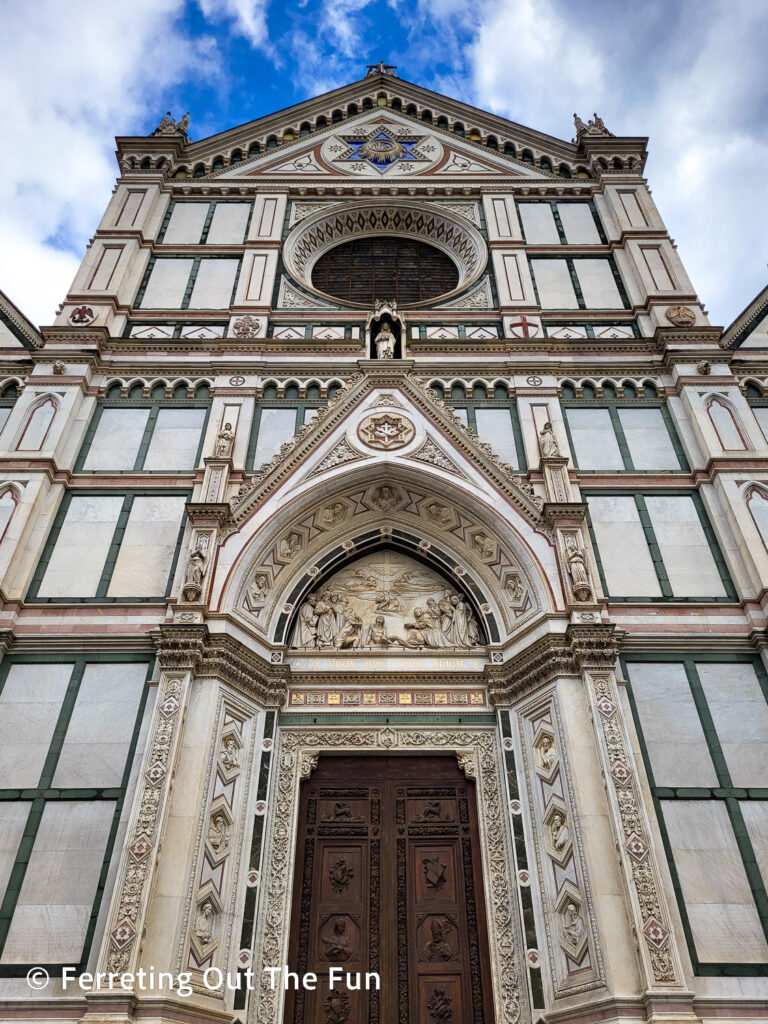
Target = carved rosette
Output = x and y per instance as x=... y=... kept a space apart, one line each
x=656 y=940
x=298 y=751
x=120 y=951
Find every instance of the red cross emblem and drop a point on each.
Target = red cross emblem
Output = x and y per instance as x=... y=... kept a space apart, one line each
x=525 y=328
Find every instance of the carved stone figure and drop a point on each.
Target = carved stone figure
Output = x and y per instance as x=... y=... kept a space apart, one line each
x=230 y=755
x=577 y=567
x=377 y=636
x=194 y=574
x=547 y=754
x=385 y=498
x=573 y=923
x=336 y=944
x=204 y=922
x=224 y=440
x=559 y=832
x=515 y=586
x=219 y=833
x=337 y=1008
x=305 y=634
x=483 y=545
x=289 y=546
x=439 y=514
x=333 y=514
x=548 y=442
x=259 y=587
x=351 y=633
x=385 y=342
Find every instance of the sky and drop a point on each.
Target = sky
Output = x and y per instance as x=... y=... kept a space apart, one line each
x=691 y=74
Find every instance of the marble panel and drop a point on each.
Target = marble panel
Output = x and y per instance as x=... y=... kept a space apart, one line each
x=186 y=224
x=276 y=426
x=594 y=439
x=554 y=285
x=538 y=224
x=578 y=224
x=98 y=738
x=13 y=820
x=598 y=285
x=740 y=713
x=214 y=284
x=167 y=284
x=495 y=427
x=77 y=560
x=149 y=542
x=648 y=439
x=761 y=413
x=755 y=814
x=718 y=899
x=29 y=709
x=671 y=725
x=5 y=412
x=117 y=439
x=626 y=560
x=684 y=548
x=228 y=224
x=175 y=440
x=59 y=887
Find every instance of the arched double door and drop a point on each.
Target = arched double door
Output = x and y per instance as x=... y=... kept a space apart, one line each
x=388 y=906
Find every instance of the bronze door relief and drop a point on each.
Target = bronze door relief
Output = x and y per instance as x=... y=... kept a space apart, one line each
x=388 y=882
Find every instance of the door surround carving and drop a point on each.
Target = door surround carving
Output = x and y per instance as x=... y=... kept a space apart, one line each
x=479 y=754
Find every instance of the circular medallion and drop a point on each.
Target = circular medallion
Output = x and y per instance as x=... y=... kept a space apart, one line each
x=533 y=381
x=680 y=316
x=386 y=431
x=237 y=381
x=82 y=316
x=246 y=327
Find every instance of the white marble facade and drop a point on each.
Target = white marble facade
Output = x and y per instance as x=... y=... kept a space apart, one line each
x=535 y=538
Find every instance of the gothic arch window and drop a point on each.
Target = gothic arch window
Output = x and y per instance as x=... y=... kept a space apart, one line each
x=545 y=163
x=411 y=110
x=254 y=148
x=336 y=117
x=199 y=171
x=9 y=502
x=458 y=129
x=321 y=122
x=426 y=115
x=757 y=503
x=397 y=104
x=492 y=142
x=272 y=142
x=527 y=156
x=352 y=107
x=237 y=156
x=367 y=103
x=509 y=149
x=38 y=425
x=564 y=171
x=726 y=425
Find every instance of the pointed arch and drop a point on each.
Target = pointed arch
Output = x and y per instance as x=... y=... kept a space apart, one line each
x=725 y=420
x=37 y=424
x=10 y=499
x=756 y=499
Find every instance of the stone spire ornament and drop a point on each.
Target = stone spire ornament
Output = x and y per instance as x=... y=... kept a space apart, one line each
x=169 y=126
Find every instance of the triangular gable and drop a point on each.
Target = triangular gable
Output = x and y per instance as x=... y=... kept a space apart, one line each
x=750 y=328
x=362 y=424
x=379 y=146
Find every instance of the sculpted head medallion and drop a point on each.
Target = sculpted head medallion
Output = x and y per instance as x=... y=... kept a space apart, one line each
x=386 y=431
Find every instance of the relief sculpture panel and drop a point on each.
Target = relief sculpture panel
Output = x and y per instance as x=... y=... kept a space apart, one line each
x=386 y=601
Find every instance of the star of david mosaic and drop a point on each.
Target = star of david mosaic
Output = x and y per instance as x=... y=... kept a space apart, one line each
x=382 y=149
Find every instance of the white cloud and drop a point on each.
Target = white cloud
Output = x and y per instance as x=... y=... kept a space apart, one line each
x=72 y=76
x=249 y=16
x=340 y=21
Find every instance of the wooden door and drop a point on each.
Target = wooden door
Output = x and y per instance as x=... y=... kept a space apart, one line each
x=388 y=881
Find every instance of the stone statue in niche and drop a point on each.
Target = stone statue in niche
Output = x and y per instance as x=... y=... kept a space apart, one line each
x=559 y=831
x=383 y=601
x=385 y=342
x=547 y=754
x=515 y=586
x=224 y=440
x=219 y=833
x=483 y=545
x=548 y=442
x=204 y=922
x=573 y=923
x=289 y=546
x=577 y=567
x=194 y=574
x=230 y=755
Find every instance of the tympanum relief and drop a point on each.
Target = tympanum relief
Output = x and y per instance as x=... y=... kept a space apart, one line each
x=386 y=601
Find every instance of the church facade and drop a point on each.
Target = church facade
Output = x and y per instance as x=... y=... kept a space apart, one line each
x=384 y=547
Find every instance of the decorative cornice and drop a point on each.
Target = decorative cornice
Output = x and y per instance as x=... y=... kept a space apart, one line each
x=23 y=328
x=195 y=649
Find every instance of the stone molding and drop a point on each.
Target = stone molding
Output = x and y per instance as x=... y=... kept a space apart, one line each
x=195 y=649
x=299 y=750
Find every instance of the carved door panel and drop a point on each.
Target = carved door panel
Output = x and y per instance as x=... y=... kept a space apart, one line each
x=388 y=880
